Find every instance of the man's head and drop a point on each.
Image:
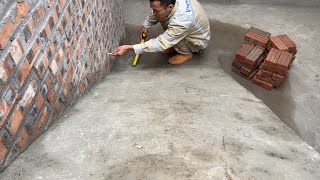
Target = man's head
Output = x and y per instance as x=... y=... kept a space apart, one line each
x=162 y=8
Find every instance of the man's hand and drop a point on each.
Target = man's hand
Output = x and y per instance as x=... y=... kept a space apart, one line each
x=143 y=30
x=119 y=51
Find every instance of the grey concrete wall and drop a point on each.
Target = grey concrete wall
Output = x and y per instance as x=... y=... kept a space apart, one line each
x=51 y=53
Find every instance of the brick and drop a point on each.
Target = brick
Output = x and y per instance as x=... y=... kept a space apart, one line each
x=57 y=107
x=39 y=100
x=27 y=98
x=23 y=72
x=245 y=71
x=48 y=83
x=22 y=10
x=51 y=96
x=276 y=43
x=4 y=111
x=57 y=60
x=253 y=59
x=6 y=32
x=67 y=15
x=9 y=64
x=41 y=124
x=11 y=95
x=48 y=30
x=61 y=53
x=284 y=60
x=67 y=83
x=263 y=78
x=55 y=16
x=276 y=77
x=242 y=53
x=253 y=74
x=45 y=61
x=61 y=27
x=15 y=121
x=266 y=73
x=41 y=11
x=31 y=26
x=16 y=51
x=250 y=57
x=3 y=74
x=59 y=78
x=237 y=71
x=53 y=67
x=289 y=43
x=259 y=31
x=51 y=22
x=272 y=58
x=277 y=80
x=33 y=53
x=27 y=34
x=256 y=39
x=265 y=67
x=36 y=19
x=236 y=65
x=3 y=149
x=50 y=2
x=261 y=83
x=23 y=139
x=280 y=72
x=53 y=46
x=41 y=65
x=62 y=2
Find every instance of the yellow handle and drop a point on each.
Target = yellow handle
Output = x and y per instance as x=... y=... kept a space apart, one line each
x=137 y=56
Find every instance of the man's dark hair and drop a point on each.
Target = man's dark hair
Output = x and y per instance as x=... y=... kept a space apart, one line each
x=165 y=3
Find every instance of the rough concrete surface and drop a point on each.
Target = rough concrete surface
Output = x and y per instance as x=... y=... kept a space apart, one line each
x=296 y=103
x=158 y=121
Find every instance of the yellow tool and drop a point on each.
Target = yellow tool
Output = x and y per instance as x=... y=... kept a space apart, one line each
x=144 y=35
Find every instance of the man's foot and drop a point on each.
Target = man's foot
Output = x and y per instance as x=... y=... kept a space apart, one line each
x=180 y=58
x=167 y=51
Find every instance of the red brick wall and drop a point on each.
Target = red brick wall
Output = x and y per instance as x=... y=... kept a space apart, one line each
x=51 y=53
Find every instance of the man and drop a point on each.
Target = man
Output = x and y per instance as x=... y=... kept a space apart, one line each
x=186 y=25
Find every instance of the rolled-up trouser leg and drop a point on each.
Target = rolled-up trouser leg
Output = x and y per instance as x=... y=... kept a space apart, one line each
x=188 y=47
x=182 y=47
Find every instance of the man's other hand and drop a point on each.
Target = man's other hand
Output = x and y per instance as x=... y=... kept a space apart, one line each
x=119 y=51
x=143 y=30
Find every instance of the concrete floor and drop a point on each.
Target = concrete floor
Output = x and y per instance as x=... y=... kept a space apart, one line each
x=193 y=121
x=297 y=101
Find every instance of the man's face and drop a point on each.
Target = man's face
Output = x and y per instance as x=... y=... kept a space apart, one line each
x=160 y=11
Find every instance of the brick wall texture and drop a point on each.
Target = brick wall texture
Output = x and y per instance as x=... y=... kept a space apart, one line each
x=51 y=53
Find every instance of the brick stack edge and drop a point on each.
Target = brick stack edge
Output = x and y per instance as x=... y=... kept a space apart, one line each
x=51 y=53
x=264 y=59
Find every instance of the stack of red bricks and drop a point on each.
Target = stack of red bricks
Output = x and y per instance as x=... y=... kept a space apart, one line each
x=250 y=56
x=263 y=59
x=247 y=60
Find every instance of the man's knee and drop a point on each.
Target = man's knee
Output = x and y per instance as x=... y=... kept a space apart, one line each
x=196 y=46
x=182 y=47
x=182 y=50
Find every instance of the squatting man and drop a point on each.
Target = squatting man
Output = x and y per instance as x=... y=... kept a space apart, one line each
x=186 y=25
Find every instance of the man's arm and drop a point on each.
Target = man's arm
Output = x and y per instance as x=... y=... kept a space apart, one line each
x=150 y=21
x=174 y=34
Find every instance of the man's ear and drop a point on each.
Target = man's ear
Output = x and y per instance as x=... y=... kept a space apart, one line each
x=171 y=6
